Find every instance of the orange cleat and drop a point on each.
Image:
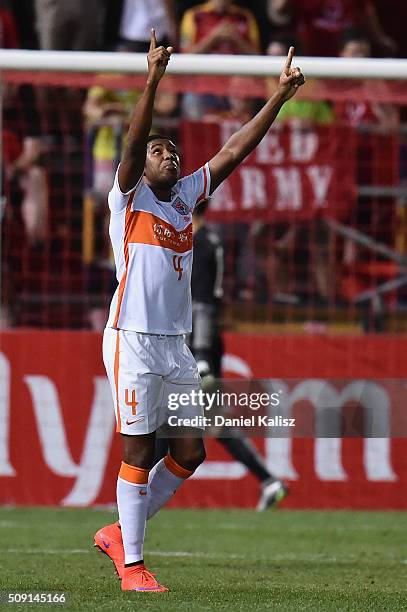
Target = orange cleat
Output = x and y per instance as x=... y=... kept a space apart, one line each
x=109 y=541
x=138 y=578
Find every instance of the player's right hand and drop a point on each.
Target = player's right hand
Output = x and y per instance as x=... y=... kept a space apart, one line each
x=291 y=78
x=157 y=58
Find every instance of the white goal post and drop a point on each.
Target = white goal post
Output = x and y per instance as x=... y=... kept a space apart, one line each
x=184 y=64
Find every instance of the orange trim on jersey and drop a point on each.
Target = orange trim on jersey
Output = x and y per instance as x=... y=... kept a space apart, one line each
x=123 y=279
x=133 y=474
x=121 y=288
x=203 y=195
x=146 y=228
x=176 y=469
x=116 y=381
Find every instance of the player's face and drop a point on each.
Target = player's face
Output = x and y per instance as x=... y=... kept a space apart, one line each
x=162 y=163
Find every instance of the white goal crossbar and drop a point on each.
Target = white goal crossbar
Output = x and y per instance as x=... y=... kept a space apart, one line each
x=183 y=64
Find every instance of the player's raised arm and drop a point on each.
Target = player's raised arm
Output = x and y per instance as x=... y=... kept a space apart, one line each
x=248 y=137
x=133 y=160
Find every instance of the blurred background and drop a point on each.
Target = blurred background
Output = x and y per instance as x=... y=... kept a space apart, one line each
x=313 y=228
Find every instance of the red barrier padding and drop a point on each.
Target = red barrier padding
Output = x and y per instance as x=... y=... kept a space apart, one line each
x=58 y=446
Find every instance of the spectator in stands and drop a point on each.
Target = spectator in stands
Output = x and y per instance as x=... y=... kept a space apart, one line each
x=322 y=22
x=355 y=43
x=9 y=38
x=28 y=170
x=24 y=168
x=282 y=18
x=139 y=16
x=24 y=198
x=238 y=107
x=75 y=25
x=370 y=215
x=218 y=26
x=303 y=113
x=107 y=112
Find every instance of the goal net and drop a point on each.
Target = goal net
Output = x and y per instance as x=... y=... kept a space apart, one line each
x=313 y=222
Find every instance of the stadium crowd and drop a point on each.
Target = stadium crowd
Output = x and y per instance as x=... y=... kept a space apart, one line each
x=107 y=24
x=41 y=142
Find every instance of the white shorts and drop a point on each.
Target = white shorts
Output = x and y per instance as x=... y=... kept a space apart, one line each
x=143 y=370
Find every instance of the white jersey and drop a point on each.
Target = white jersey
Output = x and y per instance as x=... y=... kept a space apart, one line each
x=152 y=246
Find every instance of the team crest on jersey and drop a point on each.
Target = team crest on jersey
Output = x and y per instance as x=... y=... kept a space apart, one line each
x=180 y=207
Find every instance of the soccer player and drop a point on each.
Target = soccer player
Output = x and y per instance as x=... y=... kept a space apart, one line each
x=144 y=350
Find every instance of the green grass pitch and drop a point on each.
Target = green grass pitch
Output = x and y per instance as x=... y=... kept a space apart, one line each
x=214 y=560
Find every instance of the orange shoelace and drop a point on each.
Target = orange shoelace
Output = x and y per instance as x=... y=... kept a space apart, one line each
x=146 y=577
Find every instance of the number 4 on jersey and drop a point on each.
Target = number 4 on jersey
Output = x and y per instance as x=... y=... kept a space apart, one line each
x=176 y=262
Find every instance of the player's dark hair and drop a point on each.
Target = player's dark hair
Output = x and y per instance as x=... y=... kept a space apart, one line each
x=158 y=137
x=353 y=34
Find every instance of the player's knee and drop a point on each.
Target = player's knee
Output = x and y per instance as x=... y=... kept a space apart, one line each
x=143 y=460
x=139 y=453
x=192 y=458
x=198 y=457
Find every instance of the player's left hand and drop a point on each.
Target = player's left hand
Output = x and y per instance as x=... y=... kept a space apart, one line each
x=291 y=79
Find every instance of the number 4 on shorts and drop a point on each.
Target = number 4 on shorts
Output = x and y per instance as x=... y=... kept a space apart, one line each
x=132 y=402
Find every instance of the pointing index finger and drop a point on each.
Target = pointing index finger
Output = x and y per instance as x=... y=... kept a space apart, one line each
x=288 y=61
x=153 y=40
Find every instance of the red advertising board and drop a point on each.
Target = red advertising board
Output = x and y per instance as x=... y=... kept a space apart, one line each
x=58 y=446
x=292 y=174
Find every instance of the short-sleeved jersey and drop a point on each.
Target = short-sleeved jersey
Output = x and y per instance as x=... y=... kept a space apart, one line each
x=152 y=246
